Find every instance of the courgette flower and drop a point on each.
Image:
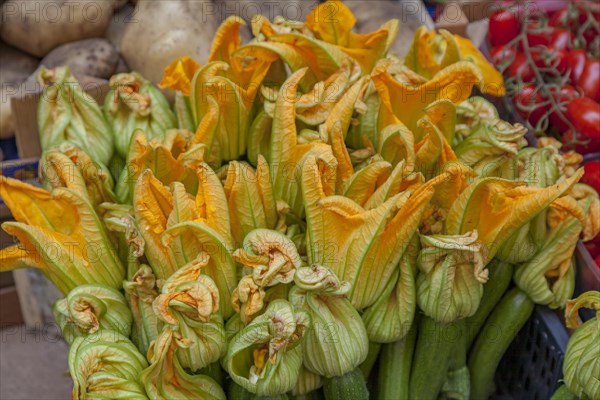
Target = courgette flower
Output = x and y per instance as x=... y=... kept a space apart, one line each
x=406 y=103
x=71 y=167
x=288 y=155
x=450 y=285
x=307 y=383
x=134 y=103
x=179 y=74
x=549 y=276
x=582 y=359
x=188 y=303
x=89 y=308
x=322 y=295
x=140 y=292
x=265 y=356
x=61 y=234
x=431 y=52
x=179 y=228
x=497 y=208
x=68 y=114
x=165 y=378
x=273 y=259
x=490 y=144
x=391 y=316
x=250 y=199
x=362 y=247
x=332 y=22
x=106 y=365
x=172 y=158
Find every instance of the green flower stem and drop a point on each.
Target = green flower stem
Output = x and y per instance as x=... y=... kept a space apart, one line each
x=352 y=385
x=500 y=329
x=394 y=367
x=367 y=365
x=493 y=290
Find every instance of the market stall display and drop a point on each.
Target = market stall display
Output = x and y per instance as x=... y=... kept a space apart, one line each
x=310 y=217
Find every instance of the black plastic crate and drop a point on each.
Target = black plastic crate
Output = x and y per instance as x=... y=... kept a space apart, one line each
x=532 y=366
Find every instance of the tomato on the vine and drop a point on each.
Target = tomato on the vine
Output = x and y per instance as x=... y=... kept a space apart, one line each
x=591 y=175
x=580 y=143
x=504 y=27
x=577 y=59
x=550 y=58
x=584 y=113
x=560 y=39
x=562 y=97
x=589 y=81
x=569 y=17
x=503 y=54
x=537 y=34
x=530 y=104
x=520 y=68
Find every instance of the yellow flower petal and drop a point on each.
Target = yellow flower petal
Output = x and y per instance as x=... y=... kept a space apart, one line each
x=493 y=82
x=178 y=75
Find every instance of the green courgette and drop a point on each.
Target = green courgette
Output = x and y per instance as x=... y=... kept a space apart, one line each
x=369 y=362
x=237 y=392
x=352 y=385
x=394 y=367
x=563 y=393
x=503 y=324
x=499 y=280
x=431 y=361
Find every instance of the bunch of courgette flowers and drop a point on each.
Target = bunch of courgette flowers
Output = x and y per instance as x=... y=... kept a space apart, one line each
x=309 y=207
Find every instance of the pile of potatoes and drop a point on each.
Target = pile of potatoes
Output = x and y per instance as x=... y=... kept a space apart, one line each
x=101 y=38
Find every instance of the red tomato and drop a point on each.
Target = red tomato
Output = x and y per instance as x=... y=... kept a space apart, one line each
x=560 y=39
x=591 y=175
x=529 y=104
x=563 y=97
x=584 y=113
x=504 y=27
x=594 y=248
x=580 y=143
x=550 y=58
x=503 y=55
x=597 y=261
x=520 y=68
x=589 y=81
x=577 y=59
x=537 y=34
x=569 y=18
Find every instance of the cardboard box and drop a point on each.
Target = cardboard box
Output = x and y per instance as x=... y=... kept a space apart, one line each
x=476 y=10
x=24 y=110
x=453 y=19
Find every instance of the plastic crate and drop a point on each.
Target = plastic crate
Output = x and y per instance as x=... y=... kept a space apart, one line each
x=532 y=366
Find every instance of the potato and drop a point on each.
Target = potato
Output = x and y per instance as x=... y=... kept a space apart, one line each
x=16 y=66
x=162 y=30
x=92 y=57
x=37 y=27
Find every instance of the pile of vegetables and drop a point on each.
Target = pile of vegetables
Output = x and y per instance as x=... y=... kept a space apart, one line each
x=312 y=218
x=552 y=69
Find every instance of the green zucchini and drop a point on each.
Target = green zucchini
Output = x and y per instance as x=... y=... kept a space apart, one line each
x=499 y=280
x=350 y=386
x=394 y=367
x=237 y=392
x=431 y=361
x=314 y=395
x=503 y=324
x=369 y=362
x=563 y=393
